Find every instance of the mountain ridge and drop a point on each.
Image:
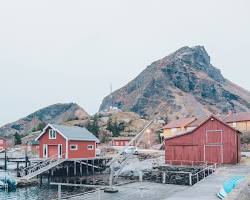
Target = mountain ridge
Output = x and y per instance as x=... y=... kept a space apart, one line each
x=56 y=113
x=177 y=84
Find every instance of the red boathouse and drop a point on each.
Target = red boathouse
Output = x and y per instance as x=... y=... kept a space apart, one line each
x=2 y=143
x=212 y=141
x=68 y=142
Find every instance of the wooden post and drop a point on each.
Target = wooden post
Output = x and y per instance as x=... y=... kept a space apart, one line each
x=190 y=178
x=17 y=169
x=93 y=169
x=67 y=170
x=74 y=168
x=140 y=176
x=41 y=180
x=81 y=169
x=164 y=177
x=5 y=160
x=87 y=167
x=59 y=192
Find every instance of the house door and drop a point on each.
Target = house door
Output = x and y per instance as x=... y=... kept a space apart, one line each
x=53 y=151
x=45 y=151
x=214 y=153
x=59 y=151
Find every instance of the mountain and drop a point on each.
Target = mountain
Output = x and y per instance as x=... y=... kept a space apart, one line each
x=181 y=84
x=57 y=113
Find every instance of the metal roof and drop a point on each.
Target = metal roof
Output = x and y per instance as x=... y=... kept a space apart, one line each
x=75 y=132
x=72 y=132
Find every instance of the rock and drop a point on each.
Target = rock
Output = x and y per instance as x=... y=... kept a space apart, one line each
x=182 y=84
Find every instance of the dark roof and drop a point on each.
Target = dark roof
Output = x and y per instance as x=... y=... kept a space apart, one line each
x=180 y=122
x=237 y=117
x=33 y=142
x=205 y=120
x=72 y=132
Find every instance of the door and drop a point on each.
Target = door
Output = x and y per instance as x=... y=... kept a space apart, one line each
x=214 y=154
x=45 y=151
x=53 y=151
x=59 y=151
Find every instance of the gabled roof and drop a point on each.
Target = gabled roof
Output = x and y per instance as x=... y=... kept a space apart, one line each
x=205 y=120
x=237 y=117
x=197 y=122
x=71 y=132
x=180 y=123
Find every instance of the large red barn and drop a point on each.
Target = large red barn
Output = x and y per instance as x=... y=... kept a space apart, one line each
x=213 y=141
x=68 y=142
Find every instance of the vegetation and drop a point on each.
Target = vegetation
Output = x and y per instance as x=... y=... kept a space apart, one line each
x=93 y=126
x=17 y=138
x=115 y=128
x=39 y=127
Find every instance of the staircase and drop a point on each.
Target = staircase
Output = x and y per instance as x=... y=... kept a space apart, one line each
x=41 y=167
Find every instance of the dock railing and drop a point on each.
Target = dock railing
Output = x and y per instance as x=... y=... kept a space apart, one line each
x=37 y=166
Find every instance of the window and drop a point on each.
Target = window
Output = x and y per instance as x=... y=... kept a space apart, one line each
x=234 y=124
x=52 y=134
x=73 y=147
x=90 y=147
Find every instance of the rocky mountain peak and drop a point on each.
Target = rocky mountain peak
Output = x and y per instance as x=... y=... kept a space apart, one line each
x=184 y=83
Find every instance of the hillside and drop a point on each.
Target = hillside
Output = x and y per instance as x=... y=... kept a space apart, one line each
x=182 y=84
x=57 y=113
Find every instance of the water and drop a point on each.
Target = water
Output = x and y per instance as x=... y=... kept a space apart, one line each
x=39 y=193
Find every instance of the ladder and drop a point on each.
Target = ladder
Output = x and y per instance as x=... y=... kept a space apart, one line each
x=41 y=167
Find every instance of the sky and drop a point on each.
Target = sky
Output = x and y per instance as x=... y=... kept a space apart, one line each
x=58 y=51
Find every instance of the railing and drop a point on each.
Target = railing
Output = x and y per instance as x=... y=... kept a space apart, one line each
x=203 y=173
x=193 y=178
x=33 y=168
x=188 y=163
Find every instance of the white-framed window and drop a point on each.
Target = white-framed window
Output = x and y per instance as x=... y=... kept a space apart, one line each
x=52 y=134
x=90 y=147
x=73 y=147
x=234 y=124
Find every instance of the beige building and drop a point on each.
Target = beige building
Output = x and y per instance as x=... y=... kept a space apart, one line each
x=177 y=126
x=239 y=121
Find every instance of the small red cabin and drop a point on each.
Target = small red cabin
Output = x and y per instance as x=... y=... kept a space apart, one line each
x=121 y=141
x=213 y=141
x=2 y=143
x=68 y=142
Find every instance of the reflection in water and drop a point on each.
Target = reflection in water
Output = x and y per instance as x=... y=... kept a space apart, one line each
x=39 y=193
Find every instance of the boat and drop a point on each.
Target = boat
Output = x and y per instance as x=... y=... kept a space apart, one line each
x=229 y=185
x=7 y=182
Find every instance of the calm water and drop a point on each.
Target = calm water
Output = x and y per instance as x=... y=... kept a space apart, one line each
x=39 y=193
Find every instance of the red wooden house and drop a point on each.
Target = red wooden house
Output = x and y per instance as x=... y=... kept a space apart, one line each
x=121 y=141
x=68 y=142
x=2 y=143
x=212 y=141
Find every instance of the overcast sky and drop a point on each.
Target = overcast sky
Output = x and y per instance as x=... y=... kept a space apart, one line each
x=70 y=51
